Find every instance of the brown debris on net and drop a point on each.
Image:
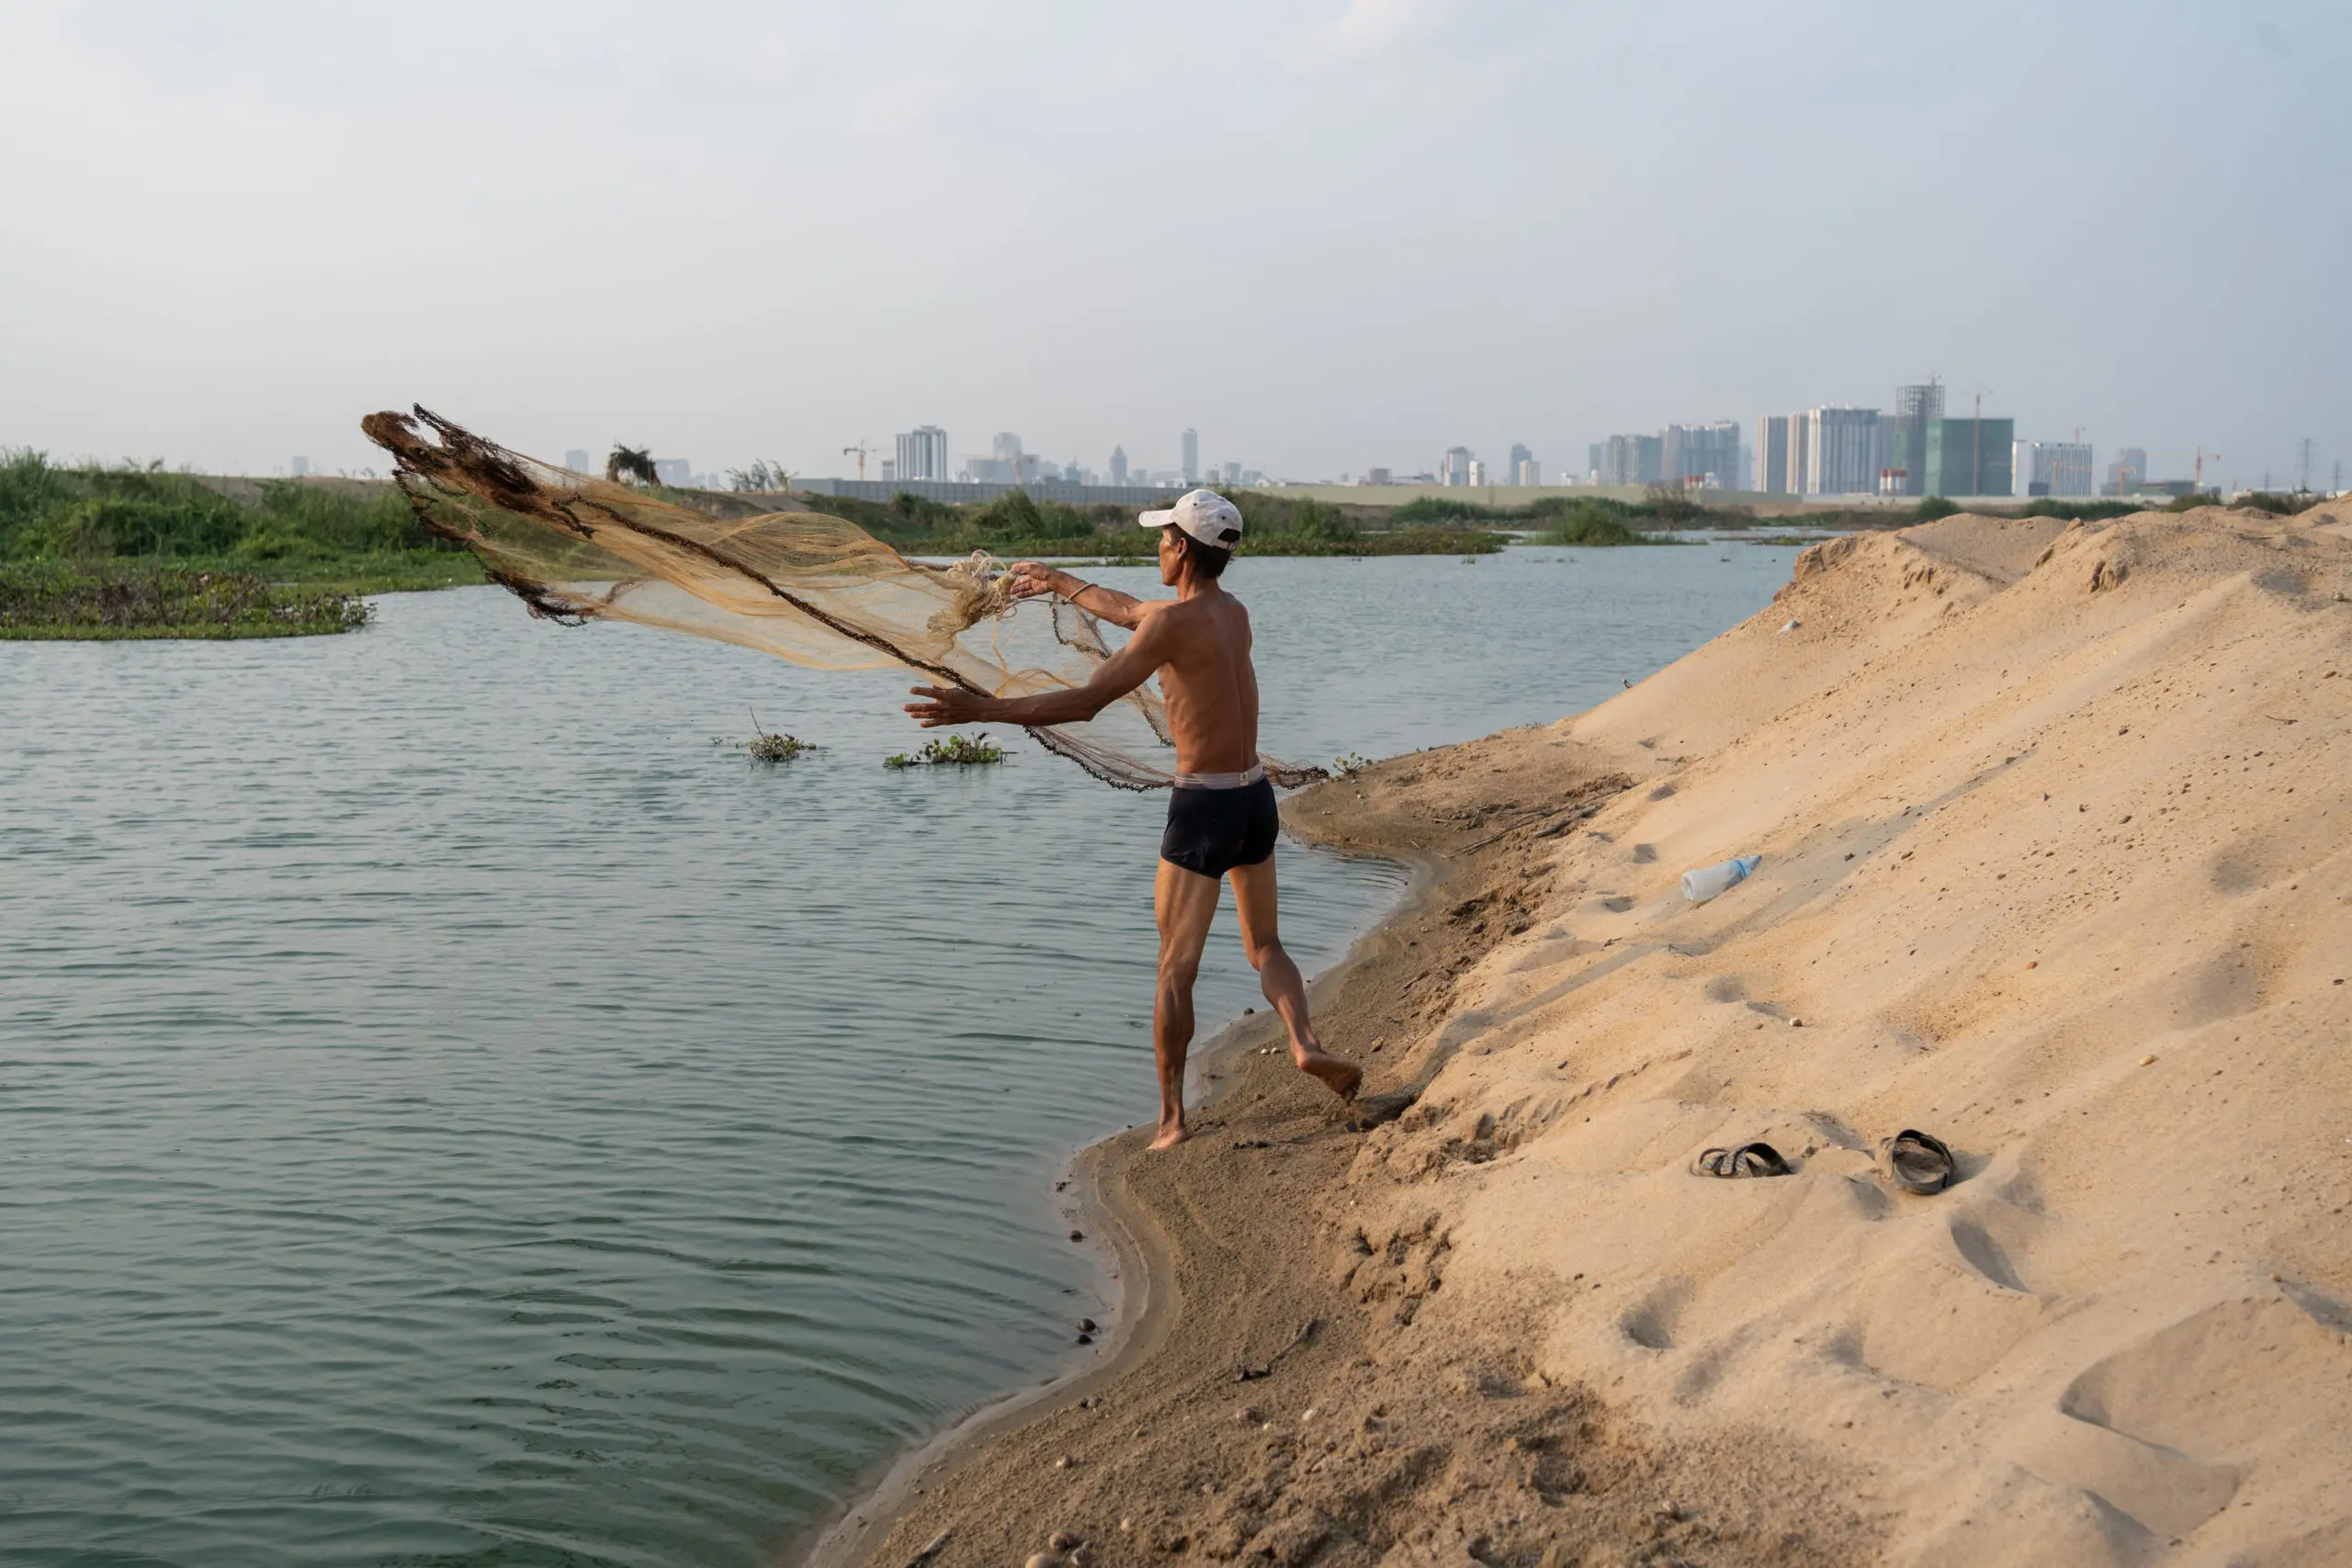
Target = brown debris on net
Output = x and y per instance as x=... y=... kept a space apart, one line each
x=805 y=586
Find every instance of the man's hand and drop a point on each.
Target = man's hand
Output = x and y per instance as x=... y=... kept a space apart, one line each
x=949 y=704
x=1030 y=579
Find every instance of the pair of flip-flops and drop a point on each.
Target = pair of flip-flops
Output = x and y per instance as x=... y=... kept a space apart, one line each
x=1920 y=1162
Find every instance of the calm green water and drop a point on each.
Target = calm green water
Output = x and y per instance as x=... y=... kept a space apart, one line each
x=452 y=1113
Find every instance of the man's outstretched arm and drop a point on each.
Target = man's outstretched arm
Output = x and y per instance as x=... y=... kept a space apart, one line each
x=1119 y=609
x=1113 y=679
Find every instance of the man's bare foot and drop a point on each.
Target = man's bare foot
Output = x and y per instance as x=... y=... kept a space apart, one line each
x=1336 y=1073
x=1170 y=1134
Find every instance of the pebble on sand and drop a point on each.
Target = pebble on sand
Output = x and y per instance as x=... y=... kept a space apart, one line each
x=1078 y=1235
x=1062 y=1540
x=1043 y=1559
x=1086 y=1325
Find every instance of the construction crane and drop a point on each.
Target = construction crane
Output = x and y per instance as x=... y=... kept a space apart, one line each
x=861 y=449
x=2197 y=483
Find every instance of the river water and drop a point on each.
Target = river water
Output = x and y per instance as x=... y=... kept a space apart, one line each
x=452 y=1111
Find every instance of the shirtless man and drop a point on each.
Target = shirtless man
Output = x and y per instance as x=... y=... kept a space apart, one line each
x=1221 y=817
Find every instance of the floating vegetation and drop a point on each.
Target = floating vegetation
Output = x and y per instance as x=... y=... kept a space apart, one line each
x=956 y=750
x=765 y=746
x=778 y=747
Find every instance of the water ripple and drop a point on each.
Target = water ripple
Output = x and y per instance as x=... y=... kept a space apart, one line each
x=453 y=1114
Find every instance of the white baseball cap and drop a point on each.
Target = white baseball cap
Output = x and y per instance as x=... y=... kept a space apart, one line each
x=1205 y=514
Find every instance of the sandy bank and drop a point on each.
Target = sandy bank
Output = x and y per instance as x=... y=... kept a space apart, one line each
x=2053 y=819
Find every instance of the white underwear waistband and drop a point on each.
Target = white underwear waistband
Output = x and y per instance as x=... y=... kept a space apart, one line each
x=1255 y=772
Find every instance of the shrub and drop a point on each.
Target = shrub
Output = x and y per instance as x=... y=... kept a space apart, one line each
x=2082 y=511
x=1312 y=519
x=2271 y=502
x=1588 y=523
x=1443 y=509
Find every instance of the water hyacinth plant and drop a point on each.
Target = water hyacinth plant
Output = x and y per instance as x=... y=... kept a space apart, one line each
x=765 y=746
x=956 y=750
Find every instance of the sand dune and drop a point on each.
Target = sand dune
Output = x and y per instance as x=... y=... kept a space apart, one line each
x=2057 y=833
x=2056 y=867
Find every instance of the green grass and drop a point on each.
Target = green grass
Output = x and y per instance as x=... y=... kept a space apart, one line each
x=48 y=600
x=1016 y=526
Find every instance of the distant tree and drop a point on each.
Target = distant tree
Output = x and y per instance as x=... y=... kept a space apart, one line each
x=631 y=465
x=1672 y=505
x=760 y=478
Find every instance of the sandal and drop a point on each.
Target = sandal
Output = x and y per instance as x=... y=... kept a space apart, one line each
x=1920 y=1162
x=1747 y=1159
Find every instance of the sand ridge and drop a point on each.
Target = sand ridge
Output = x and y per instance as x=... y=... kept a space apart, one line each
x=2055 y=867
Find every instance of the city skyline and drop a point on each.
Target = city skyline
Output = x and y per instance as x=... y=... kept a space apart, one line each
x=321 y=268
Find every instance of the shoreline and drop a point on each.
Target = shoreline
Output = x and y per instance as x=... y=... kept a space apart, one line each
x=2051 y=825
x=1136 y=1249
x=1229 y=1230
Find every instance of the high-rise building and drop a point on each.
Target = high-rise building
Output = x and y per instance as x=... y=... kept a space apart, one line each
x=923 y=453
x=1376 y=476
x=1701 y=455
x=1006 y=447
x=1798 y=462
x=1969 y=456
x=1906 y=436
x=676 y=472
x=1192 y=456
x=1843 y=451
x=1118 y=464
x=2128 y=471
x=1233 y=473
x=1632 y=459
x=2053 y=467
x=1772 y=454
x=1592 y=453
x=890 y=470
x=1455 y=469
x=1520 y=457
x=300 y=466
x=1526 y=471
x=577 y=462
x=1478 y=471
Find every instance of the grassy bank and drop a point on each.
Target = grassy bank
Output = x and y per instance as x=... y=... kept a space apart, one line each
x=1016 y=525
x=48 y=601
x=90 y=512
x=131 y=550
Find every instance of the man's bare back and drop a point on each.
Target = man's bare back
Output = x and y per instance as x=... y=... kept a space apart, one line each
x=1221 y=814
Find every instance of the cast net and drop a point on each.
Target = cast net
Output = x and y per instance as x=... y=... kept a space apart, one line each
x=805 y=586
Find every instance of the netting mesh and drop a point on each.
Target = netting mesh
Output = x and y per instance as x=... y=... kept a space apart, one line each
x=805 y=586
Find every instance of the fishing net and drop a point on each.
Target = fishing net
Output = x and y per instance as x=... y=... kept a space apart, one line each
x=805 y=586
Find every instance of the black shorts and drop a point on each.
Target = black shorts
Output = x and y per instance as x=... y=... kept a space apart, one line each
x=1213 y=830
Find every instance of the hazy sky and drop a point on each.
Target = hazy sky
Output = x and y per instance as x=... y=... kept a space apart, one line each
x=1330 y=235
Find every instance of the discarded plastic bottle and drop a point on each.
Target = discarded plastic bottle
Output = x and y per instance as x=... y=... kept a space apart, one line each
x=1700 y=886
